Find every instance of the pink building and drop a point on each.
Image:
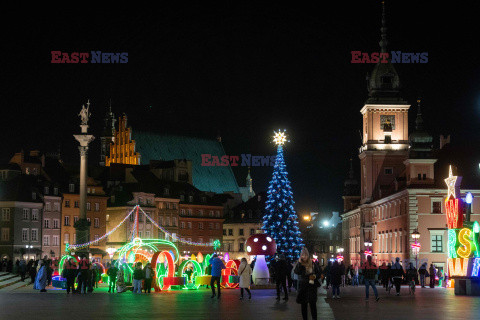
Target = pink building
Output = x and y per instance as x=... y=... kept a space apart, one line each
x=402 y=176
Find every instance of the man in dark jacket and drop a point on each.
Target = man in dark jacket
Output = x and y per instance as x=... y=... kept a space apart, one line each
x=397 y=274
x=217 y=267
x=369 y=272
x=112 y=277
x=281 y=273
x=70 y=272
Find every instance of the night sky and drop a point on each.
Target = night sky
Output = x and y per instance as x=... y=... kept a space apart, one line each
x=240 y=71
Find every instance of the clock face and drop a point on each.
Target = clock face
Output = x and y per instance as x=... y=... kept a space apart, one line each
x=384 y=118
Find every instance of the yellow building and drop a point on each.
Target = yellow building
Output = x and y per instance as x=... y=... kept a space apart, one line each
x=122 y=150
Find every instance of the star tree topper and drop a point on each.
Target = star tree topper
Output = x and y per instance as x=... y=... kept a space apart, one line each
x=453 y=184
x=280 y=137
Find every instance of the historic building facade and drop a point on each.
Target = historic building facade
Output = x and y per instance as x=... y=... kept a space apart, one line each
x=401 y=180
x=122 y=150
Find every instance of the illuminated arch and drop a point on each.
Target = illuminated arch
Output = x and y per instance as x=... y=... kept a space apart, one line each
x=198 y=271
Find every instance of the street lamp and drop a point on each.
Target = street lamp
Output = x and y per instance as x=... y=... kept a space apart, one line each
x=340 y=254
x=368 y=248
x=325 y=223
x=28 y=250
x=416 y=246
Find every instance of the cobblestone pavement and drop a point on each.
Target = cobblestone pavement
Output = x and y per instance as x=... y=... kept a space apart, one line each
x=437 y=303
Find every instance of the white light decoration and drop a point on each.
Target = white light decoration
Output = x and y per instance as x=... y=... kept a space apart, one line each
x=269 y=239
x=264 y=248
x=451 y=182
x=249 y=248
x=255 y=240
x=280 y=138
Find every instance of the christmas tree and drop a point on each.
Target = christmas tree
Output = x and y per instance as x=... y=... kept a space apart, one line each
x=280 y=220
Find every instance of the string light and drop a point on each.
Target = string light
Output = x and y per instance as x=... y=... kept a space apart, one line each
x=457 y=267
x=464 y=238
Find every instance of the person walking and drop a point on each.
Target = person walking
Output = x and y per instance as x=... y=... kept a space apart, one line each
x=217 y=267
x=383 y=275
x=281 y=272
x=422 y=271
x=369 y=272
x=112 y=277
x=138 y=276
x=433 y=273
x=121 y=287
x=355 y=275
x=308 y=282
x=41 y=278
x=336 y=279
x=244 y=272
x=411 y=276
x=148 y=278
x=70 y=272
x=342 y=273
x=397 y=274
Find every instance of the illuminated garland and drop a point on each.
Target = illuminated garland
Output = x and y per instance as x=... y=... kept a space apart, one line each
x=83 y=245
x=198 y=244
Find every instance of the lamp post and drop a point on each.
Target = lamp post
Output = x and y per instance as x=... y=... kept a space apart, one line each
x=468 y=200
x=416 y=246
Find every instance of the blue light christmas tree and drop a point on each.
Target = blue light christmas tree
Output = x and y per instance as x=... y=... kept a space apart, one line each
x=280 y=220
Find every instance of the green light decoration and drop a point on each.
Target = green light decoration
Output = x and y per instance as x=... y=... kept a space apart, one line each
x=216 y=244
x=62 y=262
x=197 y=271
x=452 y=241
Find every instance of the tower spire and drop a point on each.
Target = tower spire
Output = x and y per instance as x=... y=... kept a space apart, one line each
x=419 y=120
x=383 y=42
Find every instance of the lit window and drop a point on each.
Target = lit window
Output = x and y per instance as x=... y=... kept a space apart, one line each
x=437 y=243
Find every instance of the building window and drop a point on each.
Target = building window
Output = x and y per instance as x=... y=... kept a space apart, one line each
x=436 y=206
x=67 y=203
x=34 y=235
x=210 y=225
x=147 y=234
x=200 y=225
x=46 y=224
x=56 y=224
x=66 y=238
x=252 y=231
x=240 y=232
x=5 y=234
x=175 y=222
x=48 y=206
x=66 y=221
x=5 y=214
x=24 y=234
x=55 y=241
x=437 y=243
x=189 y=212
x=46 y=240
x=55 y=191
x=160 y=220
x=200 y=213
x=240 y=246
x=56 y=206
x=224 y=232
x=230 y=232
x=71 y=187
x=75 y=219
x=26 y=213
x=182 y=225
x=96 y=223
x=189 y=225
x=190 y=198
x=211 y=213
x=97 y=206
x=217 y=226
x=88 y=219
x=218 y=214
x=388 y=171
x=96 y=237
x=88 y=206
x=168 y=222
x=77 y=204
x=45 y=190
x=34 y=214
x=182 y=211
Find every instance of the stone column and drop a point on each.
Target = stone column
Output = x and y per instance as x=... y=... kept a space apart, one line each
x=82 y=227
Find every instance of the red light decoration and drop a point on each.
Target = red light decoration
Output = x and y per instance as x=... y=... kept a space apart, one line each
x=231 y=268
x=454 y=214
x=170 y=273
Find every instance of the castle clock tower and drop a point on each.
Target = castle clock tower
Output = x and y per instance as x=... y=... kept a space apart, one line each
x=385 y=129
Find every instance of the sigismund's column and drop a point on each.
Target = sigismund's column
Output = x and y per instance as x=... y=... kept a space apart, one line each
x=82 y=226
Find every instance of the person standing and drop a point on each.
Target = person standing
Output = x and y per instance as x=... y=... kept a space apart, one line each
x=355 y=275
x=208 y=271
x=433 y=274
x=281 y=272
x=148 y=278
x=244 y=272
x=70 y=274
x=342 y=274
x=328 y=276
x=22 y=269
x=369 y=272
x=336 y=279
x=422 y=271
x=397 y=274
x=121 y=280
x=308 y=276
x=41 y=278
x=384 y=275
x=32 y=271
x=112 y=277
x=217 y=267
x=138 y=276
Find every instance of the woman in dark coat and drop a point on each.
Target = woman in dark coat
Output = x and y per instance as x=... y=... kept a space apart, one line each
x=336 y=274
x=308 y=282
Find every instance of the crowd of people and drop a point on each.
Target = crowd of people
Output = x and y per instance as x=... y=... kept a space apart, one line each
x=39 y=271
